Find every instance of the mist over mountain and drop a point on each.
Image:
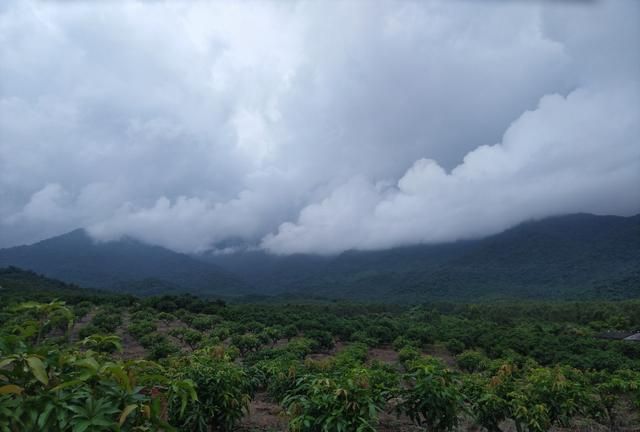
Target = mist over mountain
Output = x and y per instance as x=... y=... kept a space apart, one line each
x=570 y=257
x=573 y=256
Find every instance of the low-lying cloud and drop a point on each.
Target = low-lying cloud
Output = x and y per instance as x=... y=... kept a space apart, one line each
x=313 y=127
x=551 y=161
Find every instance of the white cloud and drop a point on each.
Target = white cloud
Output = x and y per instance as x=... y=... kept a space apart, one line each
x=293 y=124
x=552 y=160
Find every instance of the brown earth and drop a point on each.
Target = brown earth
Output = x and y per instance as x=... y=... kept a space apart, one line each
x=164 y=329
x=440 y=352
x=131 y=348
x=339 y=346
x=74 y=334
x=263 y=415
x=383 y=354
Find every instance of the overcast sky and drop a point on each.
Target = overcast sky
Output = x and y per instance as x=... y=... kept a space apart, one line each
x=314 y=126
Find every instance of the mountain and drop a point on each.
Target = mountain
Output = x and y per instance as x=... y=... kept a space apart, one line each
x=571 y=257
x=567 y=257
x=126 y=265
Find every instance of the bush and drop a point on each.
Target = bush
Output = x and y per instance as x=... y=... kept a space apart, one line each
x=245 y=343
x=52 y=389
x=89 y=330
x=408 y=354
x=421 y=333
x=343 y=402
x=432 y=396
x=323 y=339
x=223 y=391
x=455 y=346
x=471 y=361
x=107 y=320
x=187 y=336
x=140 y=329
x=158 y=346
x=401 y=342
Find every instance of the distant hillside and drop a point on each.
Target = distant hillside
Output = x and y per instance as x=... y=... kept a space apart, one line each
x=15 y=279
x=126 y=265
x=571 y=257
x=16 y=283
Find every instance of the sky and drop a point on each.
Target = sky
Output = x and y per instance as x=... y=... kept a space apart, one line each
x=314 y=126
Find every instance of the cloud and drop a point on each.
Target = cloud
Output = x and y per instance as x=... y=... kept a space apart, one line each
x=307 y=127
x=551 y=161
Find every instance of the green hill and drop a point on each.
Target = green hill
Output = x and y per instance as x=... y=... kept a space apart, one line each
x=571 y=257
x=18 y=285
x=567 y=257
x=126 y=266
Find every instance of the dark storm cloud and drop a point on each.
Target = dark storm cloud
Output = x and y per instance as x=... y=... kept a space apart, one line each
x=313 y=127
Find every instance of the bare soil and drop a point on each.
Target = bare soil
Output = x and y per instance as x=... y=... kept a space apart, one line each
x=440 y=352
x=384 y=354
x=74 y=334
x=164 y=329
x=339 y=346
x=131 y=348
x=263 y=415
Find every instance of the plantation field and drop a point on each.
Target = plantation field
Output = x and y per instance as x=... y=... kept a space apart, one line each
x=92 y=362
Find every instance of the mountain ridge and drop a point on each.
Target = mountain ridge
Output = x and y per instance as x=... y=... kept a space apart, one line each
x=570 y=257
x=76 y=258
x=567 y=256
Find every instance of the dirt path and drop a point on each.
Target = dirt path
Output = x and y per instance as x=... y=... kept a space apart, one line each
x=74 y=334
x=442 y=353
x=383 y=354
x=131 y=348
x=264 y=415
x=164 y=329
x=339 y=346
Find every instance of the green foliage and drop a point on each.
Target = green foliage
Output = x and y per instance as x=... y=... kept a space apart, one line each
x=188 y=336
x=549 y=396
x=455 y=346
x=341 y=402
x=223 y=391
x=408 y=354
x=610 y=389
x=139 y=329
x=46 y=314
x=323 y=339
x=108 y=319
x=104 y=344
x=204 y=322
x=432 y=397
x=245 y=343
x=535 y=365
x=47 y=389
x=471 y=361
x=158 y=346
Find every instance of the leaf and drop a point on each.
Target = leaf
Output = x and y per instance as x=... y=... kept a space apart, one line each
x=11 y=388
x=38 y=369
x=6 y=362
x=81 y=426
x=125 y=413
x=42 y=420
x=89 y=363
x=67 y=384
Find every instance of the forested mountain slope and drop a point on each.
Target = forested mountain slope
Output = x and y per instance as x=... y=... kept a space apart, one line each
x=562 y=257
x=125 y=265
x=572 y=257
